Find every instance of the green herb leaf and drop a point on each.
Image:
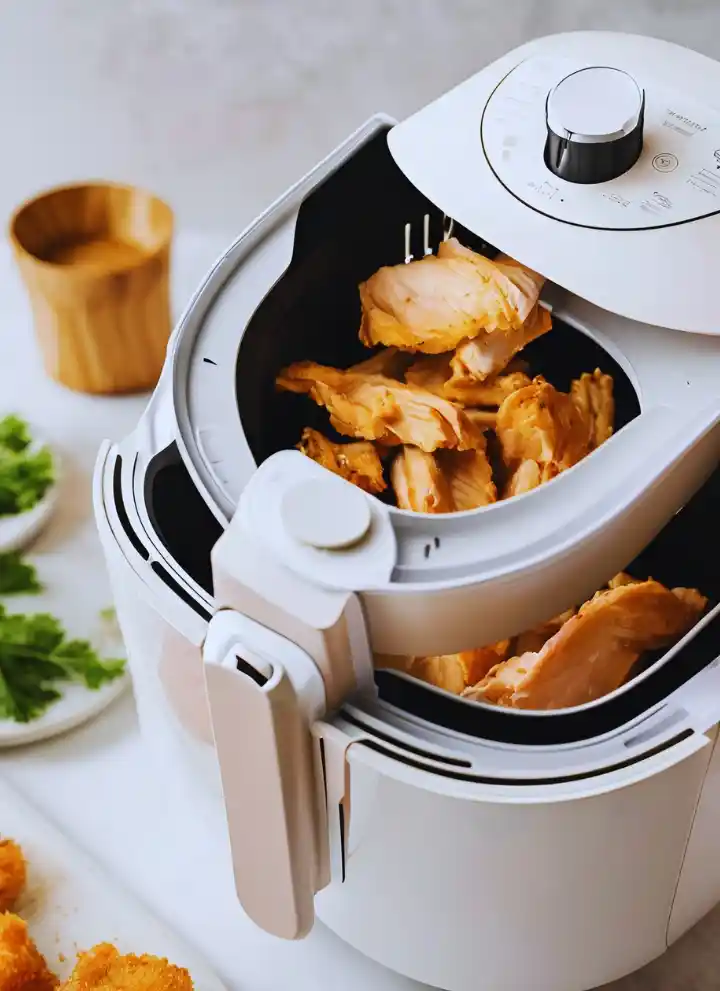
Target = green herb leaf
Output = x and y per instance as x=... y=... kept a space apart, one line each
x=35 y=656
x=14 y=434
x=17 y=576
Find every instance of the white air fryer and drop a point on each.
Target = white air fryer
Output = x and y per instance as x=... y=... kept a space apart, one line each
x=457 y=843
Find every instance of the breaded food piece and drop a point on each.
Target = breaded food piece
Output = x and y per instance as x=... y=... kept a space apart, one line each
x=104 y=968
x=13 y=873
x=451 y=672
x=22 y=966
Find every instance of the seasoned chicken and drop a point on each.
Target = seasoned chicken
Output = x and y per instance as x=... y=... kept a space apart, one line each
x=538 y=636
x=373 y=407
x=595 y=649
x=357 y=462
x=418 y=482
x=527 y=476
x=487 y=354
x=13 y=873
x=103 y=968
x=593 y=394
x=389 y=362
x=539 y=423
x=22 y=966
x=453 y=672
x=482 y=419
x=444 y=482
x=432 y=372
x=433 y=304
x=469 y=477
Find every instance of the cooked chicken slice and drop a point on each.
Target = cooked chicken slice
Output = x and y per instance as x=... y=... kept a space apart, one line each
x=528 y=475
x=487 y=354
x=453 y=672
x=358 y=462
x=482 y=419
x=373 y=407
x=594 y=650
x=541 y=424
x=594 y=396
x=535 y=639
x=469 y=477
x=389 y=362
x=418 y=482
x=433 y=304
x=432 y=372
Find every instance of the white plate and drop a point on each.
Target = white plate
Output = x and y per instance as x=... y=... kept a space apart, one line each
x=78 y=704
x=70 y=904
x=18 y=531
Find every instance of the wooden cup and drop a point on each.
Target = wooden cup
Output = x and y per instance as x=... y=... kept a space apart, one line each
x=95 y=259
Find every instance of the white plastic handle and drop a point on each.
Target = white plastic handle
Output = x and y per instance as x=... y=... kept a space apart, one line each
x=261 y=724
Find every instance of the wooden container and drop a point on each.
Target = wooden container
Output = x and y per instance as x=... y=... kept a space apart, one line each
x=95 y=259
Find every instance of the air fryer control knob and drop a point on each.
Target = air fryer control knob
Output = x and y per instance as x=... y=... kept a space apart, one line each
x=594 y=125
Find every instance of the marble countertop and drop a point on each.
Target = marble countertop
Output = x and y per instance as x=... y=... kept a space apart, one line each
x=96 y=783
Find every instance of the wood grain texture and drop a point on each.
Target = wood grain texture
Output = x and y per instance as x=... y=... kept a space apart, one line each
x=95 y=260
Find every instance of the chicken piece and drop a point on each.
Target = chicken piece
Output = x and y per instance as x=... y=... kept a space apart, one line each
x=418 y=482
x=528 y=475
x=103 y=968
x=22 y=966
x=541 y=424
x=452 y=672
x=373 y=407
x=358 y=462
x=487 y=354
x=389 y=362
x=535 y=639
x=469 y=477
x=593 y=394
x=594 y=650
x=432 y=372
x=434 y=303
x=13 y=873
x=482 y=419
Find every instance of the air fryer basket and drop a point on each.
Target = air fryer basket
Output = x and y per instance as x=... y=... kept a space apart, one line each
x=350 y=226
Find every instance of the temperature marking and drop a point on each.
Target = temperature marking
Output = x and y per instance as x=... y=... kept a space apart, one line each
x=209 y=361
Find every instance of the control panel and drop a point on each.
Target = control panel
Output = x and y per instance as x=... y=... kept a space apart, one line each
x=596 y=147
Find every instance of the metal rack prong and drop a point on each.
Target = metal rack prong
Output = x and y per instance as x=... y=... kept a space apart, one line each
x=427 y=250
x=408 y=253
x=448 y=224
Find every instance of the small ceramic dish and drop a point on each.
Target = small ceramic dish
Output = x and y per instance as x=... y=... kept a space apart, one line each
x=19 y=530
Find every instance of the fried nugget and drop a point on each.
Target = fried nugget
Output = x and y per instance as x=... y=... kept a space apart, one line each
x=13 y=873
x=22 y=966
x=103 y=968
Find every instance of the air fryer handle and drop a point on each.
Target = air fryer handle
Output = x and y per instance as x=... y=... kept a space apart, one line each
x=265 y=752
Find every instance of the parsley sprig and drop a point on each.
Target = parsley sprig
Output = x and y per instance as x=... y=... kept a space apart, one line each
x=26 y=473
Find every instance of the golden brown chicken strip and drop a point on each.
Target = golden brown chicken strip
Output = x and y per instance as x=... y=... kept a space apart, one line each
x=540 y=423
x=418 y=482
x=452 y=672
x=433 y=304
x=358 y=462
x=593 y=652
x=389 y=362
x=488 y=354
x=536 y=638
x=373 y=407
x=593 y=394
x=103 y=968
x=22 y=966
x=469 y=478
x=444 y=482
x=432 y=372
x=13 y=873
